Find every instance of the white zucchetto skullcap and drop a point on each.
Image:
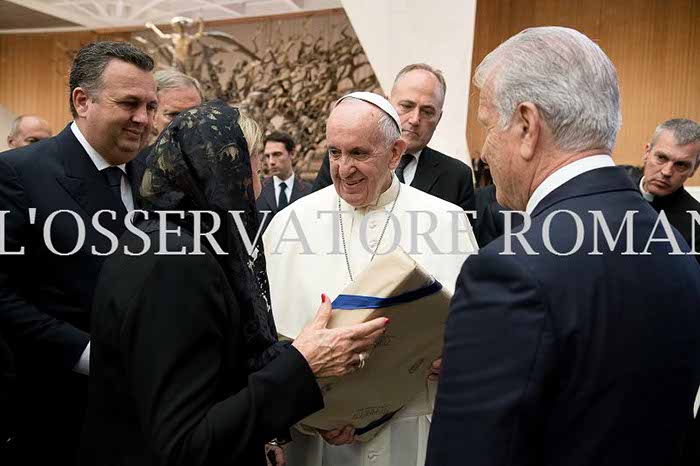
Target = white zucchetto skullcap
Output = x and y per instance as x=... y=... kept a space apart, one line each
x=377 y=101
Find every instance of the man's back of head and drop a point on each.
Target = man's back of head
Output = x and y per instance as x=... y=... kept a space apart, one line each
x=549 y=96
x=26 y=130
x=671 y=157
x=176 y=92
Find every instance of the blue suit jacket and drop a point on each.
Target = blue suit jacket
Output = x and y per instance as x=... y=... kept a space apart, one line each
x=571 y=360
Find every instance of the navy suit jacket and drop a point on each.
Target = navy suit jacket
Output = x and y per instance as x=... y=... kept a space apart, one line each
x=267 y=201
x=436 y=174
x=571 y=360
x=45 y=298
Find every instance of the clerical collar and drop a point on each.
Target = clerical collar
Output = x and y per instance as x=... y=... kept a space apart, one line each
x=288 y=182
x=97 y=159
x=385 y=198
x=647 y=195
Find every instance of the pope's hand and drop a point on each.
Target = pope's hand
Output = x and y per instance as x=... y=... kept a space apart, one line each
x=336 y=352
x=340 y=436
x=435 y=370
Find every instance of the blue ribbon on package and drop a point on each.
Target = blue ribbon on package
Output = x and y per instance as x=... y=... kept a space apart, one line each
x=349 y=302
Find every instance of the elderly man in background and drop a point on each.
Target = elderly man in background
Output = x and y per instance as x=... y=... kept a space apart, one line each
x=344 y=226
x=27 y=129
x=670 y=158
x=176 y=92
x=561 y=349
x=418 y=94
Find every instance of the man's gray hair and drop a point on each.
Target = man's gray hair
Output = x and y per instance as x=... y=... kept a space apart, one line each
x=684 y=131
x=425 y=67
x=16 y=123
x=567 y=76
x=386 y=124
x=173 y=79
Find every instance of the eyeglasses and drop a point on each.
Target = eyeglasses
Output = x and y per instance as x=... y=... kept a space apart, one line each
x=679 y=166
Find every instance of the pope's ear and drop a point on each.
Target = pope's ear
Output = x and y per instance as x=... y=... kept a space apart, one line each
x=396 y=152
x=80 y=100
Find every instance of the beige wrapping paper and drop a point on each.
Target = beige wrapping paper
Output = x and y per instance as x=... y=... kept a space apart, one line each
x=395 y=373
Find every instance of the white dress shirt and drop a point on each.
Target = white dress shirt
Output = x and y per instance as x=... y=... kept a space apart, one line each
x=288 y=191
x=409 y=171
x=564 y=174
x=83 y=365
x=101 y=164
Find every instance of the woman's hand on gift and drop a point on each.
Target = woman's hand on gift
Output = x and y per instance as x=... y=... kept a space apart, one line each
x=435 y=370
x=341 y=436
x=338 y=351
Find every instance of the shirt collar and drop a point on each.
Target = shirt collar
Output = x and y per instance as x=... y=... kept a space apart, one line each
x=97 y=159
x=647 y=195
x=288 y=182
x=564 y=174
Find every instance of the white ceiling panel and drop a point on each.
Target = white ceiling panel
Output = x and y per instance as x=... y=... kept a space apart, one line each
x=97 y=14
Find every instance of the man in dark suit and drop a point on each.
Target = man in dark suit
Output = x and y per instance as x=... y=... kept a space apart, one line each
x=7 y=398
x=563 y=346
x=418 y=95
x=46 y=292
x=670 y=158
x=283 y=187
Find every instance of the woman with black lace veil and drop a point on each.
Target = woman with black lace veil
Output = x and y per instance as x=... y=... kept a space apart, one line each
x=185 y=364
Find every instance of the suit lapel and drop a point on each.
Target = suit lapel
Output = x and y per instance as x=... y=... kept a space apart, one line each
x=85 y=183
x=298 y=191
x=268 y=195
x=426 y=172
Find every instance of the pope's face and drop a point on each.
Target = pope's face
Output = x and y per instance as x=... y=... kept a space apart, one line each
x=361 y=163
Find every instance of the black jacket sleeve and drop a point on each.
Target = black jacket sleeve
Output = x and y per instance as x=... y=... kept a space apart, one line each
x=50 y=342
x=497 y=357
x=323 y=178
x=173 y=341
x=467 y=200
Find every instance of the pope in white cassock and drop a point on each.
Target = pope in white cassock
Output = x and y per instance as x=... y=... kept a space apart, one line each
x=319 y=243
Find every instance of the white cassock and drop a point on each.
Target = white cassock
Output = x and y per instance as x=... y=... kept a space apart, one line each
x=299 y=270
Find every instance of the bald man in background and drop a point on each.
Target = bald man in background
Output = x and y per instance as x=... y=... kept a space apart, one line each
x=27 y=129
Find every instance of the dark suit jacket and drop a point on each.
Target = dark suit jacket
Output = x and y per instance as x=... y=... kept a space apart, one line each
x=267 y=201
x=571 y=360
x=169 y=383
x=7 y=394
x=45 y=298
x=437 y=174
x=490 y=218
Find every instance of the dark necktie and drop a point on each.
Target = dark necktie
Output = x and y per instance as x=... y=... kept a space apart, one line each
x=405 y=160
x=282 y=202
x=114 y=180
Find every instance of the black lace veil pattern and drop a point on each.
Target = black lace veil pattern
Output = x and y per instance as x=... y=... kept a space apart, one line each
x=201 y=162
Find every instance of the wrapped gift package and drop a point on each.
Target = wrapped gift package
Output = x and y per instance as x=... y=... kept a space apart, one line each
x=393 y=381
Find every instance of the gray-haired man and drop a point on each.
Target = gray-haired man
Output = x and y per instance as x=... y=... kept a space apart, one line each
x=567 y=345
x=670 y=158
